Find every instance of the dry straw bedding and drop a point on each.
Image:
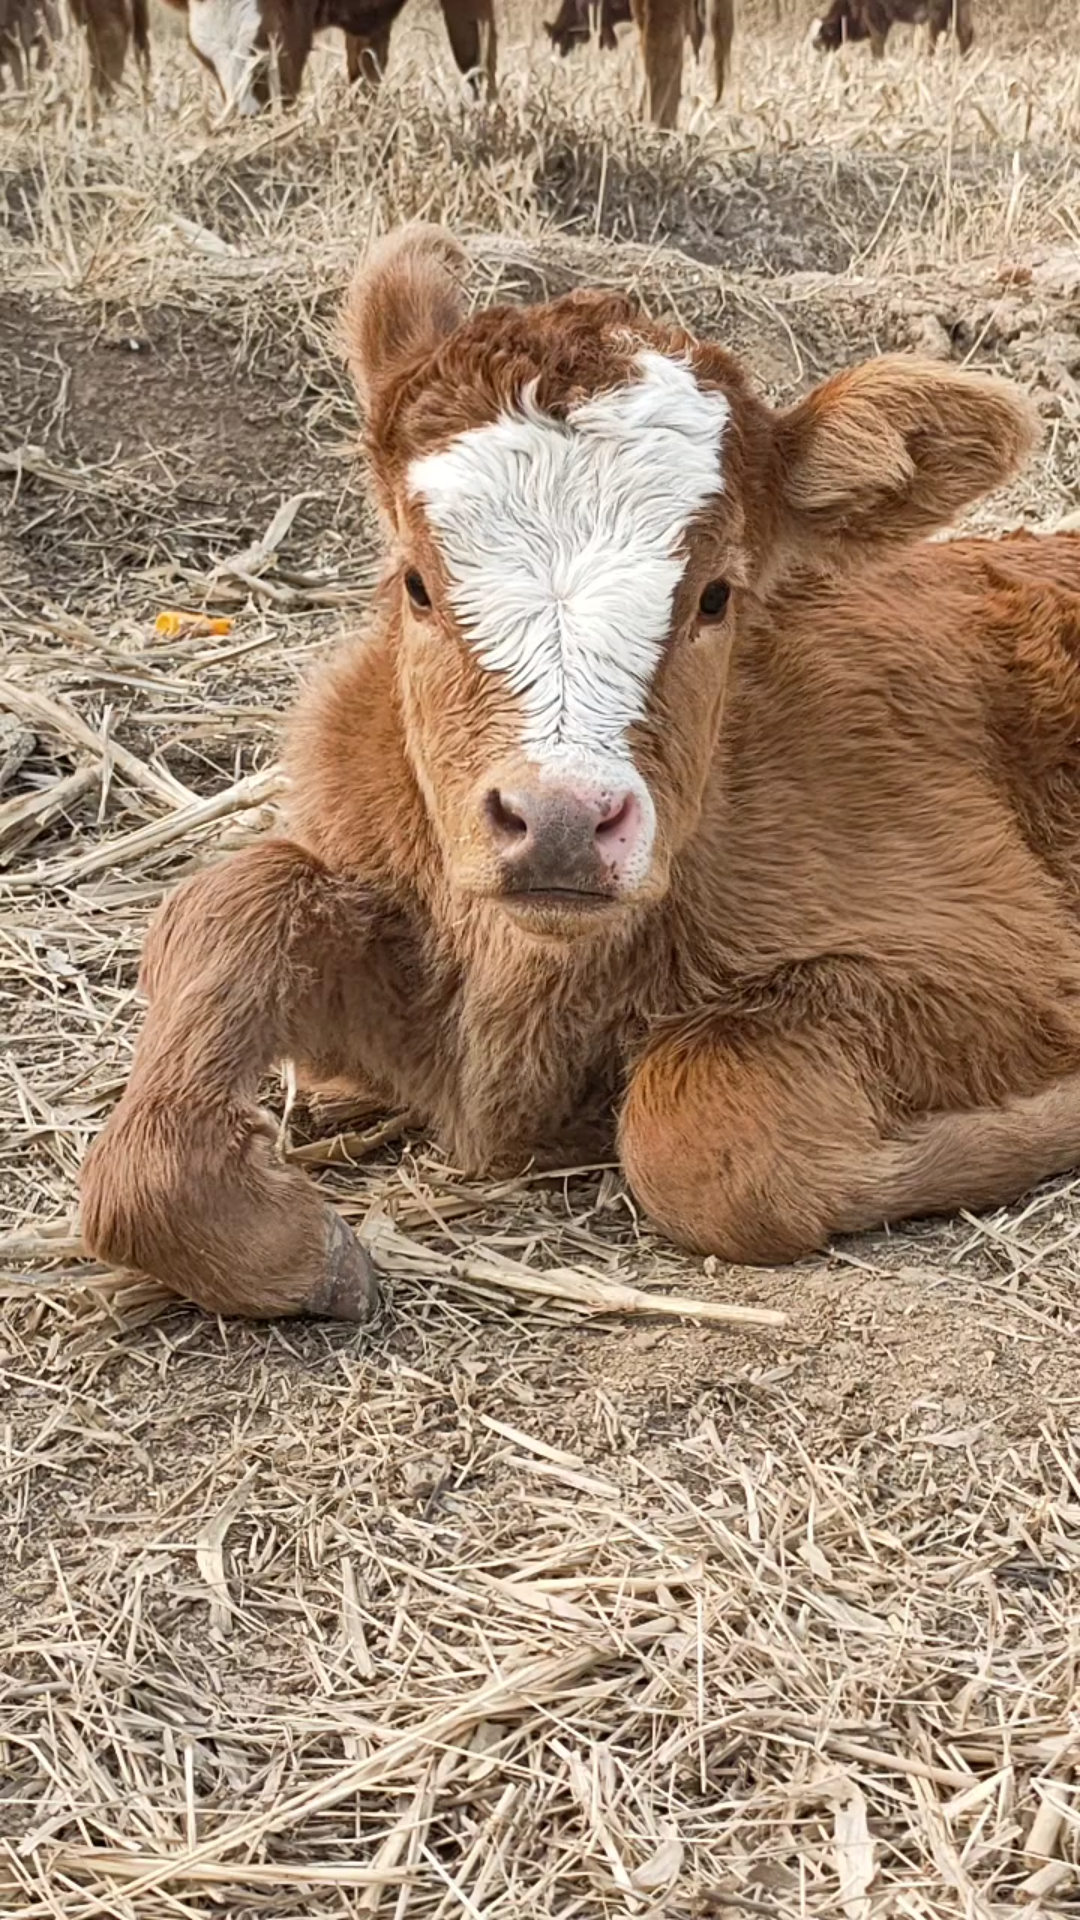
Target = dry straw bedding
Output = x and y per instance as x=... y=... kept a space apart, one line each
x=507 y=1607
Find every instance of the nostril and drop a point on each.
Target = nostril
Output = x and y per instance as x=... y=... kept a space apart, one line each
x=619 y=820
x=504 y=818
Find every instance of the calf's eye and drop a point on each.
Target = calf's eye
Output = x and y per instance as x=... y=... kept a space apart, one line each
x=416 y=590
x=714 y=599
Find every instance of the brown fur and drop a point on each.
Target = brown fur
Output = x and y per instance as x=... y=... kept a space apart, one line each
x=291 y=25
x=872 y=19
x=848 y=989
x=111 y=26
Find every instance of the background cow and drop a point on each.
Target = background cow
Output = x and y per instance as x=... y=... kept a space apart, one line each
x=233 y=37
x=27 y=29
x=871 y=20
x=679 y=791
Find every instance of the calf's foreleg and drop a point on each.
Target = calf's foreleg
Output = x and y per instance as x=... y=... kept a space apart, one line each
x=762 y=1153
x=262 y=958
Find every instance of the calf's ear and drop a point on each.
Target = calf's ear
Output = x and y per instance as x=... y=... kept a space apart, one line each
x=894 y=449
x=406 y=298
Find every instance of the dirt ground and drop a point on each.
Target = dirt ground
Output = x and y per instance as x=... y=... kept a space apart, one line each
x=505 y=1607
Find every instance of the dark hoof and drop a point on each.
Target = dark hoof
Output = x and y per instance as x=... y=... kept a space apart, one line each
x=349 y=1288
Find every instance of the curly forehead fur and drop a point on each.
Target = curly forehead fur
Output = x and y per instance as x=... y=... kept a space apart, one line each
x=567 y=350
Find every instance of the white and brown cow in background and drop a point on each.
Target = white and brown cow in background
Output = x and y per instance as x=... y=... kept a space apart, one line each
x=236 y=39
x=681 y=796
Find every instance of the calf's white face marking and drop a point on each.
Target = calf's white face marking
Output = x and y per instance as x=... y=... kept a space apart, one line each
x=562 y=543
x=226 y=32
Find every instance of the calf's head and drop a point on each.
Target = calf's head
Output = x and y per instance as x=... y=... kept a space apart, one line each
x=584 y=506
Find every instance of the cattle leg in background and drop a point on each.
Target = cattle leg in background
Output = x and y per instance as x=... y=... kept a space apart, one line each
x=50 y=32
x=695 y=25
x=878 y=21
x=662 y=27
x=184 y=1183
x=110 y=26
x=470 y=26
x=722 y=21
x=367 y=26
x=289 y=27
x=366 y=55
x=18 y=33
x=28 y=30
x=613 y=13
x=951 y=16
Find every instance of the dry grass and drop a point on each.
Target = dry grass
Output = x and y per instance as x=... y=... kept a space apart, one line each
x=506 y=1608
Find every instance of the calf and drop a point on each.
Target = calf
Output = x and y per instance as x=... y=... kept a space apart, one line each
x=663 y=25
x=233 y=38
x=680 y=795
x=27 y=29
x=871 y=20
x=111 y=26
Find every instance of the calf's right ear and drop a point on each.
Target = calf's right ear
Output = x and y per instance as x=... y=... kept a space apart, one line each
x=894 y=450
x=406 y=298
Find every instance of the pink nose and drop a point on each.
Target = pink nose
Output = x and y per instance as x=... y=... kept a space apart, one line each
x=564 y=839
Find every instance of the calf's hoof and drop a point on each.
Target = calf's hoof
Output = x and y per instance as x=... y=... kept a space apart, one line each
x=348 y=1288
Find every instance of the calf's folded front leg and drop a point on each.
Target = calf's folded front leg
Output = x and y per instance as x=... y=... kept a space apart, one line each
x=249 y=963
x=762 y=1153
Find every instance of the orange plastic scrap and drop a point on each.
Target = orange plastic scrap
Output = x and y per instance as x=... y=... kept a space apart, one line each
x=188 y=626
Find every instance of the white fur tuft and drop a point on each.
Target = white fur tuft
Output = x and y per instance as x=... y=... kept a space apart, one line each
x=562 y=542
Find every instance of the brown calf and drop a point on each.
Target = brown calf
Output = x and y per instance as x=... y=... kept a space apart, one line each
x=679 y=794
x=663 y=25
x=27 y=30
x=871 y=20
x=233 y=38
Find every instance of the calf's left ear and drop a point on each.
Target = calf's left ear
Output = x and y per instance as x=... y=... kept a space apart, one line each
x=406 y=298
x=894 y=449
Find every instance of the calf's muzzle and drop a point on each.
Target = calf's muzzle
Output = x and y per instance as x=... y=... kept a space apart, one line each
x=572 y=842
